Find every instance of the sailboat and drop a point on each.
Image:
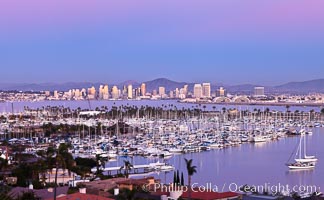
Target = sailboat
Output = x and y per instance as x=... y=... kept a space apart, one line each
x=305 y=158
x=302 y=161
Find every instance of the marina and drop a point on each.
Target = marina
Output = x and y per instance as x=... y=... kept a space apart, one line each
x=228 y=141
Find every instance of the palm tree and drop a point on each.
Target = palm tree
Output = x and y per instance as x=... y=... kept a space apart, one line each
x=100 y=161
x=322 y=112
x=64 y=160
x=127 y=167
x=191 y=171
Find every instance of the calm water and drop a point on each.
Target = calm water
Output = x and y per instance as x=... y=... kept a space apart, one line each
x=253 y=164
x=19 y=106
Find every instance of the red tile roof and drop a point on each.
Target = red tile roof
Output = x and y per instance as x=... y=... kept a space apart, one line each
x=209 y=195
x=79 y=196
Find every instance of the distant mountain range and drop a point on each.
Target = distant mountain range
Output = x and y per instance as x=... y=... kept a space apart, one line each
x=291 y=87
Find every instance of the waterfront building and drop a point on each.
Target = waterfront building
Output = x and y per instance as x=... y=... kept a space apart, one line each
x=206 y=90
x=177 y=93
x=91 y=92
x=171 y=95
x=143 y=89
x=76 y=93
x=162 y=91
x=114 y=92
x=105 y=92
x=185 y=90
x=221 y=92
x=130 y=91
x=56 y=94
x=154 y=92
x=197 y=91
x=259 y=91
x=47 y=93
x=100 y=95
x=83 y=92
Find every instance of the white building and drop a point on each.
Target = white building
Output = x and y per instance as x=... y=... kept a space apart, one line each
x=130 y=91
x=197 y=91
x=206 y=90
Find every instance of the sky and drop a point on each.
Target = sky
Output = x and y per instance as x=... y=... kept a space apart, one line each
x=265 y=42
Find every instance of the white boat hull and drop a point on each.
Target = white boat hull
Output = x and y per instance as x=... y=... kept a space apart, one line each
x=301 y=167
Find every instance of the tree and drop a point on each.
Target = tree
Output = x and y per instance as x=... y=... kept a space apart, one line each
x=287 y=108
x=64 y=160
x=100 y=162
x=30 y=195
x=191 y=170
x=3 y=164
x=178 y=178
x=322 y=112
x=182 y=179
x=174 y=178
x=127 y=167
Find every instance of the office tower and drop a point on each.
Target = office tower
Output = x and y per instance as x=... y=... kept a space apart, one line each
x=206 y=90
x=259 y=91
x=137 y=92
x=143 y=89
x=154 y=92
x=92 y=92
x=55 y=94
x=83 y=92
x=177 y=93
x=161 y=91
x=130 y=91
x=221 y=92
x=171 y=95
x=101 y=92
x=114 y=92
x=197 y=91
x=76 y=93
x=105 y=92
x=123 y=92
x=185 y=90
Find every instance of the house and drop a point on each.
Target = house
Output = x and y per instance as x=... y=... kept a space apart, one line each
x=199 y=195
x=80 y=196
x=135 y=183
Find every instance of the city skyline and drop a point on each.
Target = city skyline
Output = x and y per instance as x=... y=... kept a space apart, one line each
x=268 y=42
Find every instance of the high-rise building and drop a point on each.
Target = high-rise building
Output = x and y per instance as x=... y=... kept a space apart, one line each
x=114 y=92
x=259 y=91
x=83 y=92
x=206 y=90
x=161 y=91
x=177 y=93
x=143 y=89
x=105 y=92
x=154 y=93
x=185 y=90
x=76 y=93
x=171 y=95
x=55 y=94
x=100 y=92
x=221 y=92
x=130 y=91
x=92 y=92
x=197 y=91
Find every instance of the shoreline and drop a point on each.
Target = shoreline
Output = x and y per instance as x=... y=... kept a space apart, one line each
x=260 y=104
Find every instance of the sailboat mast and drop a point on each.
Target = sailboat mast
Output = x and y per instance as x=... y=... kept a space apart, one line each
x=304 y=146
x=300 y=149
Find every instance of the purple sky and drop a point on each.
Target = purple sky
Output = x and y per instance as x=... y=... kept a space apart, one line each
x=229 y=41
